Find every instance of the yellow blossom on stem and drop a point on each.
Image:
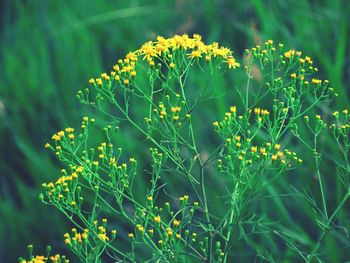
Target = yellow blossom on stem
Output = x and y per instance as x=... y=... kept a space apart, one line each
x=232 y=63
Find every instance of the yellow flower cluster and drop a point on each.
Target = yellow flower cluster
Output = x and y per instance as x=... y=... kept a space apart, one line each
x=66 y=136
x=184 y=198
x=292 y=59
x=166 y=232
x=57 y=258
x=259 y=111
x=63 y=182
x=165 y=50
x=267 y=152
x=342 y=125
x=274 y=153
x=75 y=237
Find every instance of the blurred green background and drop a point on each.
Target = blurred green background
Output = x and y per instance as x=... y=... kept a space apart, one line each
x=49 y=49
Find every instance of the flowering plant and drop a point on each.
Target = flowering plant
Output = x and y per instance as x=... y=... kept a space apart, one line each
x=96 y=189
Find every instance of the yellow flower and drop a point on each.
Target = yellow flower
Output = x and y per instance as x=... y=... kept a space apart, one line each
x=277 y=147
x=157 y=219
x=39 y=259
x=254 y=149
x=131 y=56
x=99 y=81
x=195 y=54
x=289 y=54
x=316 y=81
x=176 y=222
x=148 y=51
x=232 y=63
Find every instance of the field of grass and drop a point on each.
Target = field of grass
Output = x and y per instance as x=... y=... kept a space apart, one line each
x=49 y=50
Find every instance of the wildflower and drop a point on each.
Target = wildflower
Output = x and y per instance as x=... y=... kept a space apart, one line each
x=265 y=112
x=39 y=259
x=308 y=60
x=254 y=149
x=157 y=219
x=277 y=146
x=99 y=82
x=195 y=54
x=316 y=81
x=103 y=237
x=176 y=223
x=231 y=62
x=105 y=76
x=140 y=228
x=131 y=56
x=148 y=50
x=289 y=54
x=184 y=198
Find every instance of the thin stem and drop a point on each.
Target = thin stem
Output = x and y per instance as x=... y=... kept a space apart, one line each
x=327 y=228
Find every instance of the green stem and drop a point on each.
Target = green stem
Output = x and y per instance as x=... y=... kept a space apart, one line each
x=327 y=229
x=317 y=164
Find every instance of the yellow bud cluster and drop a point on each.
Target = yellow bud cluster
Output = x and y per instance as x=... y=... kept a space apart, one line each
x=184 y=198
